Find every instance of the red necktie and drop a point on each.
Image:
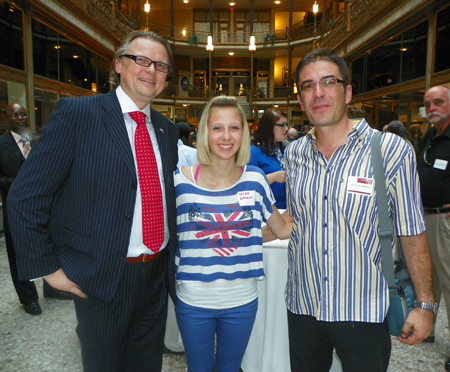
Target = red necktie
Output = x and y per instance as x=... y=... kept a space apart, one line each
x=152 y=206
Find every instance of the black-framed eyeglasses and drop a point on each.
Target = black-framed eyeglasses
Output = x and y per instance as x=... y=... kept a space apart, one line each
x=146 y=62
x=427 y=156
x=326 y=82
x=282 y=125
x=23 y=115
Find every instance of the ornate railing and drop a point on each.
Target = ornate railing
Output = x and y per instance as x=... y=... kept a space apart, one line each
x=104 y=13
x=306 y=31
x=202 y=93
x=359 y=13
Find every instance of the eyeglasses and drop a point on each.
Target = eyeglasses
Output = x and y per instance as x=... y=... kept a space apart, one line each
x=15 y=116
x=282 y=125
x=146 y=62
x=326 y=82
x=427 y=156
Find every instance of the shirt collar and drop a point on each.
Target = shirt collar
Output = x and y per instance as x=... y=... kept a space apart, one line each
x=127 y=105
x=360 y=129
x=434 y=131
x=17 y=136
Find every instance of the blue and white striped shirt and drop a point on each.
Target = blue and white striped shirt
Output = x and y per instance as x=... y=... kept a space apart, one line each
x=219 y=231
x=334 y=252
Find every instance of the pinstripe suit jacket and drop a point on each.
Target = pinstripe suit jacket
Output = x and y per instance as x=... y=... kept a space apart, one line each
x=72 y=204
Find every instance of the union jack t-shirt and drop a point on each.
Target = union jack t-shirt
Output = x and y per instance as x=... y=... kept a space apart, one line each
x=219 y=231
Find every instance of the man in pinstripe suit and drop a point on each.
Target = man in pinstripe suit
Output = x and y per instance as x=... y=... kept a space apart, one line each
x=76 y=213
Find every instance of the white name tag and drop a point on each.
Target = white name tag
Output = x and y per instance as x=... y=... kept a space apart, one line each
x=440 y=164
x=360 y=185
x=246 y=198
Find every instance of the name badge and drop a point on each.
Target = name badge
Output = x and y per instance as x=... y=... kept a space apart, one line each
x=360 y=185
x=246 y=198
x=440 y=164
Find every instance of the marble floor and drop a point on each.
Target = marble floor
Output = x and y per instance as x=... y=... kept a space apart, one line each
x=48 y=342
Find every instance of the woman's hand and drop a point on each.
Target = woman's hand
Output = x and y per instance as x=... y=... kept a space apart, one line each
x=279 y=177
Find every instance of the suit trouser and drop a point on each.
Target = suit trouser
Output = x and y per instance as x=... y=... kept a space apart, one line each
x=438 y=234
x=128 y=333
x=26 y=290
x=172 y=336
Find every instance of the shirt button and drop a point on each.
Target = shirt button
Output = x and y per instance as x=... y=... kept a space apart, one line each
x=325 y=225
x=325 y=252
x=325 y=279
x=325 y=197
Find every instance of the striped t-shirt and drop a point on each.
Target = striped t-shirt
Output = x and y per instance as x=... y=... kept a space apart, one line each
x=219 y=231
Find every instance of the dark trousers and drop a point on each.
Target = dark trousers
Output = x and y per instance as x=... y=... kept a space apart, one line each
x=128 y=333
x=26 y=290
x=361 y=347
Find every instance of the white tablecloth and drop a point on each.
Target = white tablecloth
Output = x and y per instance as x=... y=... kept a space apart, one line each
x=268 y=348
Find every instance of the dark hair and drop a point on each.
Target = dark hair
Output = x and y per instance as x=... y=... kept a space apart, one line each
x=355 y=112
x=264 y=137
x=115 y=77
x=399 y=129
x=323 y=55
x=184 y=129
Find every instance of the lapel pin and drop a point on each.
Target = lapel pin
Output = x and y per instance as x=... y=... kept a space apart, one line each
x=162 y=131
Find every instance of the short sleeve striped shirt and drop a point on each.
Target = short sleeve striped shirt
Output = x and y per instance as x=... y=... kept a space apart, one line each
x=219 y=231
x=334 y=252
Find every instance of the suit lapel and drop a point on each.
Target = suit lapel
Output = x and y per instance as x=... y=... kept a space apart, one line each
x=114 y=124
x=162 y=138
x=11 y=146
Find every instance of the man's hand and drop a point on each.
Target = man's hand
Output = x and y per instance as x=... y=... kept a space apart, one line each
x=447 y=206
x=417 y=327
x=60 y=281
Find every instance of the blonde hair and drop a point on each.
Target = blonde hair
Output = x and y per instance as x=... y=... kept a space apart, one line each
x=150 y=35
x=203 y=149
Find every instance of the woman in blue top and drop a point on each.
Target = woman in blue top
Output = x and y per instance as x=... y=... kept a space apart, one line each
x=221 y=206
x=268 y=149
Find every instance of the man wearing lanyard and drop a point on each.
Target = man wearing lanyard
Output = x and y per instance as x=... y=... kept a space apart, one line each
x=93 y=210
x=434 y=172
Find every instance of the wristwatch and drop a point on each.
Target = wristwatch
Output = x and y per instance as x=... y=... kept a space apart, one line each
x=430 y=307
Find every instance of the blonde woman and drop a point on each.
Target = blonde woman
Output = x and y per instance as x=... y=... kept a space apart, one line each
x=221 y=206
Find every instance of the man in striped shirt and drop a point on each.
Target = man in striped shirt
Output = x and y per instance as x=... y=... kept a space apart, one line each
x=336 y=294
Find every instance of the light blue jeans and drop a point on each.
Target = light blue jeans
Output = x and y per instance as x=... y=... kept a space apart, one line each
x=199 y=327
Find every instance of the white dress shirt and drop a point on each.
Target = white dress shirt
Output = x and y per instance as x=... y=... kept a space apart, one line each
x=136 y=246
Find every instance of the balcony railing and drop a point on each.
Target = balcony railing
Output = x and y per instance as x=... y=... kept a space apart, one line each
x=104 y=13
x=120 y=24
x=349 y=22
x=202 y=93
x=299 y=32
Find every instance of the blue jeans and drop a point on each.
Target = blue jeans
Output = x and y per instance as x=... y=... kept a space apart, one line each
x=199 y=327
